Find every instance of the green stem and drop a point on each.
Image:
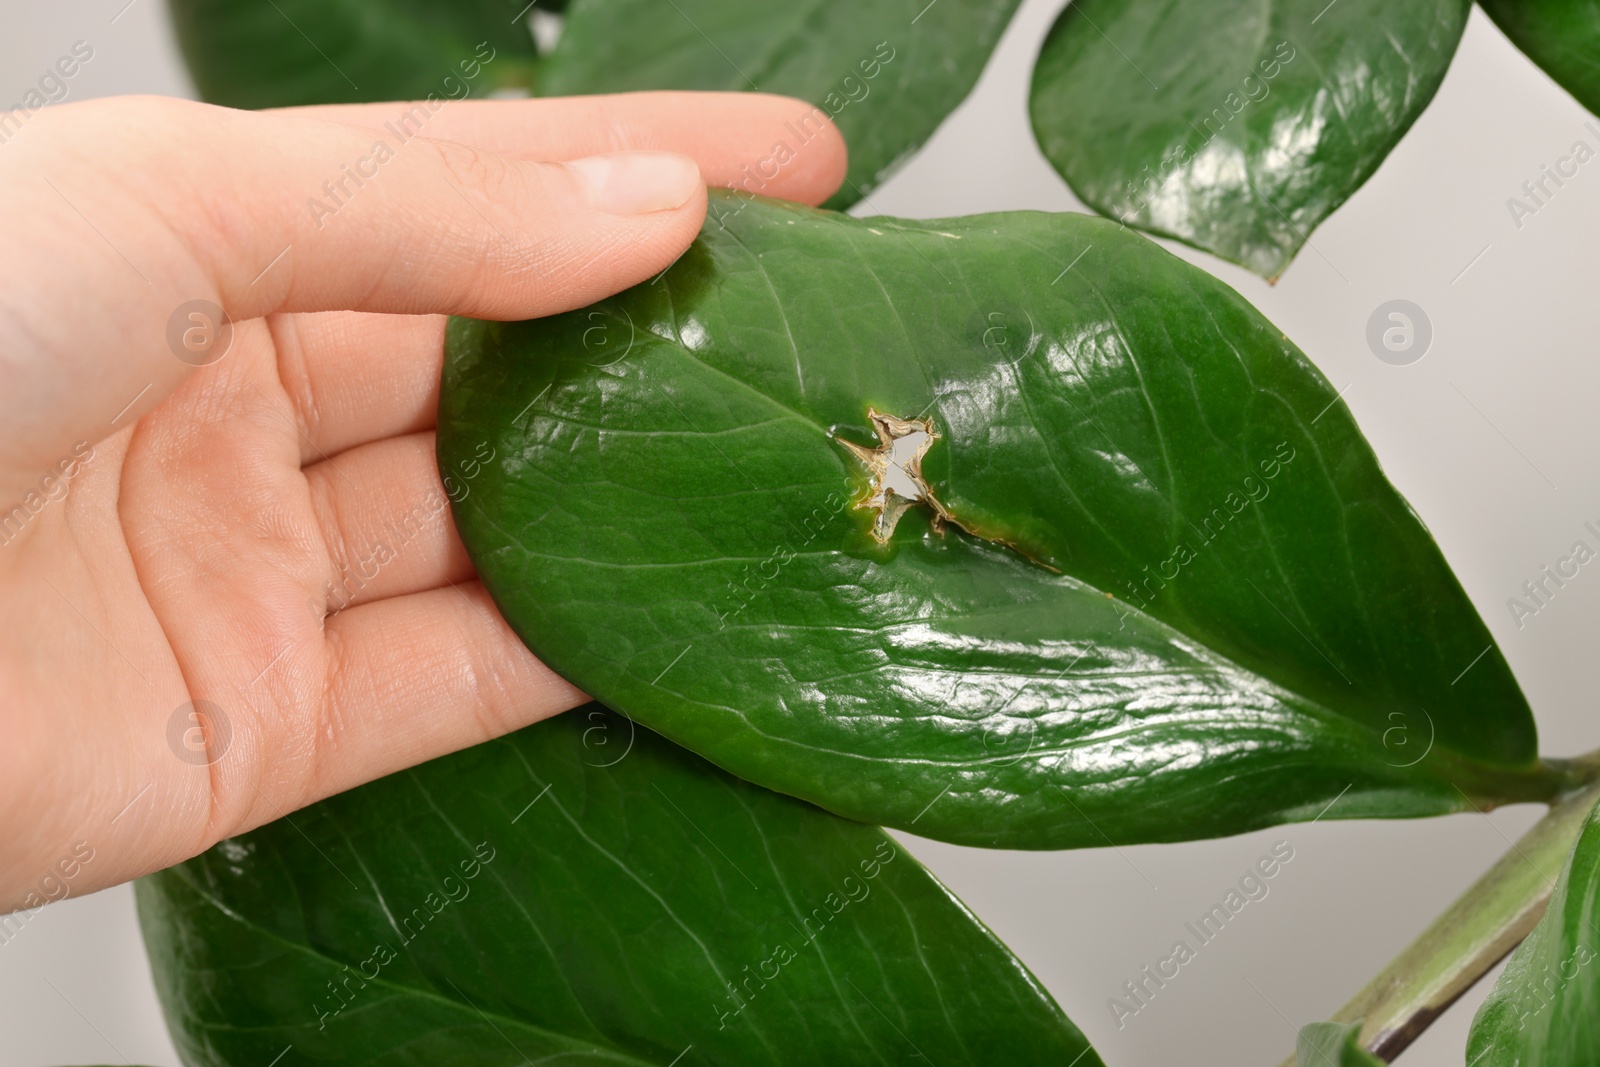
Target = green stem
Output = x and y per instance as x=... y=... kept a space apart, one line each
x=1480 y=928
x=1548 y=781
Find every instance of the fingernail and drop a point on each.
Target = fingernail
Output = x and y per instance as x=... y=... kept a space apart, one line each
x=637 y=183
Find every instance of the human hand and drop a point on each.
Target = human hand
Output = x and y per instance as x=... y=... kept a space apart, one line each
x=234 y=590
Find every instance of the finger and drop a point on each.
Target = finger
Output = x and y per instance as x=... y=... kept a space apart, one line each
x=414 y=678
x=769 y=145
x=354 y=378
x=347 y=219
x=286 y=213
x=358 y=378
x=385 y=519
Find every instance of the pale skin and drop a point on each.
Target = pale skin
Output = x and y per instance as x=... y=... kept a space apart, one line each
x=190 y=557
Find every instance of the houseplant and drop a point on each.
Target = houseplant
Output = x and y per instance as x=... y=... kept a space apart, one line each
x=1020 y=353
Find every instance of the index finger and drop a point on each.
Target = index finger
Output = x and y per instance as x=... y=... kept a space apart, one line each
x=757 y=142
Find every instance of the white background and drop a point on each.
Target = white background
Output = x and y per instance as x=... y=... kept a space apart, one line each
x=1505 y=488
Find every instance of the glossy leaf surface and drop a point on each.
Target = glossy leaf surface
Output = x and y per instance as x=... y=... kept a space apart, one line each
x=581 y=892
x=886 y=71
x=1561 y=36
x=1234 y=125
x=653 y=492
x=1332 y=1045
x=1543 y=1009
x=245 y=53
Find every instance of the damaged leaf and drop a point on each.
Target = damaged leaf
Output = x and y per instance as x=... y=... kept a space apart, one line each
x=581 y=891
x=895 y=470
x=1167 y=592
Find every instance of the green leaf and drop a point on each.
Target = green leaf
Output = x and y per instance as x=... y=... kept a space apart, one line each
x=245 y=53
x=1234 y=125
x=888 y=72
x=657 y=492
x=1542 y=1011
x=582 y=891
x=1561 y=36
x=1332 y=1045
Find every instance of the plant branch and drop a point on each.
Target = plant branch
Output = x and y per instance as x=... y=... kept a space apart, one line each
x=1479 y=929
